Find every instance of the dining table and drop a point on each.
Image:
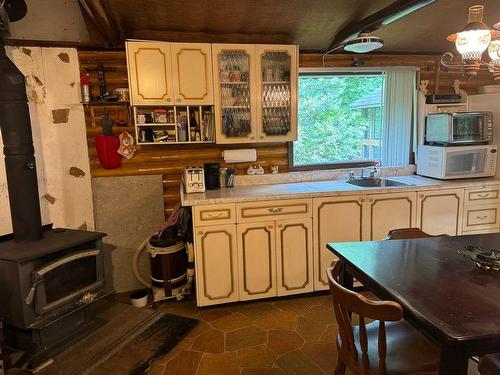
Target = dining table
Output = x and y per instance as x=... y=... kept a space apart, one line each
x=443 y=293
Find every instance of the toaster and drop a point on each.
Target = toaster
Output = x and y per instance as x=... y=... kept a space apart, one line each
x=194 y=180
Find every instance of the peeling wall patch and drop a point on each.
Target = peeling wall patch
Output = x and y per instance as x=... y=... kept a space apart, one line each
x=60 y=116
x=38 y=81
x=76 y=172
x=49 y=198
x=64 y=57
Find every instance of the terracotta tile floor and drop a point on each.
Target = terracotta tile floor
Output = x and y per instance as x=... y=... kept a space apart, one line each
x=293 y=336
x=285 y=336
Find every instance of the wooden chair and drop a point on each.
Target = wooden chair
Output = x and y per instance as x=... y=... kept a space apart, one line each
x=406 y=233
x=389 y=345
x=489 y=364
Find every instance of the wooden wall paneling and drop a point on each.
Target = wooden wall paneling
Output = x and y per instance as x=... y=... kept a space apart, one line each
x=170 y=160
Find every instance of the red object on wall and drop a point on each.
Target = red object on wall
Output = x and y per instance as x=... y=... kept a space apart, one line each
x=106 y=146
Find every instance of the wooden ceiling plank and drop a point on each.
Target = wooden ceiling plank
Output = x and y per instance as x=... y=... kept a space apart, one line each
x=104 y=20
x=373 y=21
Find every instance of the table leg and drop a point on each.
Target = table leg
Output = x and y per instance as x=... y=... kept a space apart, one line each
x=346 y=278
x=453 y=361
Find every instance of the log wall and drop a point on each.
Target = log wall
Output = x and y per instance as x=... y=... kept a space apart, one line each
x=170 y=160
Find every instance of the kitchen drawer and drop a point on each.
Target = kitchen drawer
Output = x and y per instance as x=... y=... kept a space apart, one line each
x=275 y=210
x=482 y=195
x=214 y=214
x=481 y=217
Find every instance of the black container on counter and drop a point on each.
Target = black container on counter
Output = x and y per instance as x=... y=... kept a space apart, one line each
x=212 y=176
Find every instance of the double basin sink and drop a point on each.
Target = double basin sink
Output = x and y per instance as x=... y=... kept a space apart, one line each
x=376 y=182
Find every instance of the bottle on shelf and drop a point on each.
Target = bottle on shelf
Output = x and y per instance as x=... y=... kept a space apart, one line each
x=181 y=129
x=194 y=127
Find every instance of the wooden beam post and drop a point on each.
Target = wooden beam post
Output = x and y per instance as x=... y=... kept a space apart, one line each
x=101 y=15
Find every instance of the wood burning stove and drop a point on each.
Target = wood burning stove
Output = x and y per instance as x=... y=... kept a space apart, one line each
x=48 y=278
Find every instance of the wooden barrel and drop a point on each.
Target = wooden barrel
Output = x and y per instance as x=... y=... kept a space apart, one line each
x=168 y=267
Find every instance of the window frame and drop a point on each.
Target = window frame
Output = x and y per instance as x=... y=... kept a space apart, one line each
x=339 y=164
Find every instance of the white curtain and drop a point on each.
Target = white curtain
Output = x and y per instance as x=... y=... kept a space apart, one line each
x=399 y=111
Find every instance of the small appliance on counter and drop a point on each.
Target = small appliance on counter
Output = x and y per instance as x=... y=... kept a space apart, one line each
x=212 y=176
x=457 y=161
x=459 y=128
x=194 y=180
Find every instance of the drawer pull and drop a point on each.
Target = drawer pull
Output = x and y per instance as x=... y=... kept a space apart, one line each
x=484 y=217
x=274 y=210
x=483 y=195
x=215 y=214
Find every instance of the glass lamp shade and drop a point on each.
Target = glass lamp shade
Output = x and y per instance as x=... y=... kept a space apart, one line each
x=494 y=52
x=472 y=43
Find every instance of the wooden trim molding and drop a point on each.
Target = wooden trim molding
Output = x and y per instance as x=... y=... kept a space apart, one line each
x=227 y=211
x=282 y=231
x=137 y=75
x=320 y=247
x=206 y=73
x=231 y=262
x=244 y=251
x=374 y=201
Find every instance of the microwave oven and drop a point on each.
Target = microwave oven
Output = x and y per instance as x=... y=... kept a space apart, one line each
x=456 y=162
x=459 y=128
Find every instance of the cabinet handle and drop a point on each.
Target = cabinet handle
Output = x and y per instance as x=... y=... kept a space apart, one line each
x=269 y=227
x=275 y=209
x=362 y=200
x=178 y=99
x=252 y=137
x=482 y=217
x=261 y=137
x=169 y=100
x=483 y=195
x=280 y=226
x=200 y=232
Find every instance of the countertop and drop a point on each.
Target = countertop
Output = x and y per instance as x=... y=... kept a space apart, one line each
x=315 y=189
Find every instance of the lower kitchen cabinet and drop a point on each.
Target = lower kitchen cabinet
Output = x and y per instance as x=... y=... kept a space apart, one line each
x=257 y=260
x=294 y=256
x=440 y=211
x=216 y=264
x=389 y=211
x=336 y=219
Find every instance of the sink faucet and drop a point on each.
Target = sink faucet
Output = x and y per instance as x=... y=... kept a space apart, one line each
x=372 y=174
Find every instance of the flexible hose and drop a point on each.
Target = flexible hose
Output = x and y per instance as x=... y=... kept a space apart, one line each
x=135 y=262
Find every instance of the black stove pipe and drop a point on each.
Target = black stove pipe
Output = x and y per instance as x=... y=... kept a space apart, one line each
x=20 y=166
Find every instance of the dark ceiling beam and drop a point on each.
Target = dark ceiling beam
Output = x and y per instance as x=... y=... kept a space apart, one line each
x=376 y=20
x=104 y=20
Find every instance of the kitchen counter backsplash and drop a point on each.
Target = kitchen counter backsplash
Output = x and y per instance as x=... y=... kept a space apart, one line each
x=317 y=175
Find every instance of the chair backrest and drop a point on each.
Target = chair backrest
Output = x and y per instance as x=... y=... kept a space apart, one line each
x=406 y=233
x=346 y=303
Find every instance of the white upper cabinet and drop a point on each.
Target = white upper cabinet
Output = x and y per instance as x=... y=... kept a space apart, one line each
x=192 y=73
x=162 y=73
x=149 y=73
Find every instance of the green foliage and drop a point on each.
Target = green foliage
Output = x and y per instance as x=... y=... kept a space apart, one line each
x=330 y=129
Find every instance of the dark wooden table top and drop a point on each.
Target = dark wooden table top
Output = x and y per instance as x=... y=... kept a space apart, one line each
x=445 y=291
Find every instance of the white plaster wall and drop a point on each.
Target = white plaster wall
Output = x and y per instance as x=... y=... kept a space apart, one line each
x=54 y=84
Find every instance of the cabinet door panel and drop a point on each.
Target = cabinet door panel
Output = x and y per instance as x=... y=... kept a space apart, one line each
x=277 y=93
x=150 y=72
x=257 y=260
x=216 y=264
x=192 y=72
x=235 y=92
x=294 y=256
x=389 y=211
x=335 y=220
x=440 y=211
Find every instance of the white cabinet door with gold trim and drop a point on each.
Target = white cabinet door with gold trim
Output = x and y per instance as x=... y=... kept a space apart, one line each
x=192 y=73
x=335 y=219
x=257 y=260
x=389 y=211
x=150 y=73
x=234 y=70
x=216 y=264
x=440 y=211
x=294 y=256
x=277 y=93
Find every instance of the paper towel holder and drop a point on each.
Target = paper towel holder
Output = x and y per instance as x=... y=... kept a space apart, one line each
x=240 y=156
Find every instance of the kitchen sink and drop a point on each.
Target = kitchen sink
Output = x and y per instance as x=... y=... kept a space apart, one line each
x=376 y=182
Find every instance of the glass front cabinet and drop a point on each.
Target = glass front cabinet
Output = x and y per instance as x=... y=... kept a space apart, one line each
x=256 y=93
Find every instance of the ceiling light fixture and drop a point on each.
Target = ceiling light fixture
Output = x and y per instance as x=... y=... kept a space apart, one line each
x=471 y=43
x=364 y=43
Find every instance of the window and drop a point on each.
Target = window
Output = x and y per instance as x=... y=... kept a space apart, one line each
x=339 y=119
